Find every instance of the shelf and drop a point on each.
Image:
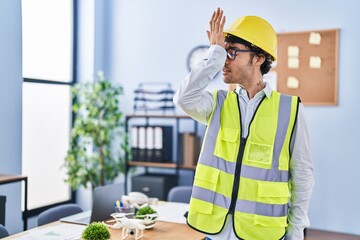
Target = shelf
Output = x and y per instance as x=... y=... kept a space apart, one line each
x=158 y=164
x=158 y=116
x=187 y=167
x=175 y=164
x=152 y=164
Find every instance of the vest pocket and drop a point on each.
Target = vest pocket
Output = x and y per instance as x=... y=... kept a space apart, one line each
x=200 y=206
x=273 y=222
x=204 y=189
x=258 y=155
x=273 y=192
x=227 y=144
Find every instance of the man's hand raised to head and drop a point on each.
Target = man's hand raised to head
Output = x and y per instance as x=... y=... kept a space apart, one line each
x=216 y=33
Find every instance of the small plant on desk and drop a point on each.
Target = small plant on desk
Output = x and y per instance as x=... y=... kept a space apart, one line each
x=142 y=212
x=148 y=216
x=96 y=231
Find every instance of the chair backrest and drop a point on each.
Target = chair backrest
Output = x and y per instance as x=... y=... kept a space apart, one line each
x=3 y=232
x=55 y=213
x=180 y=194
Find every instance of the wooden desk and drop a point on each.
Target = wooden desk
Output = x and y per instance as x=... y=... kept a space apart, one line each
x=161 y=231
x=7 y=178
x=177 y=231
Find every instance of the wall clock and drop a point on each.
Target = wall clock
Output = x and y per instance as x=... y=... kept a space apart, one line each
x=196 y=55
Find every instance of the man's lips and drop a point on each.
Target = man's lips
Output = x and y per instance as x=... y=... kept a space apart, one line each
x=225 y=70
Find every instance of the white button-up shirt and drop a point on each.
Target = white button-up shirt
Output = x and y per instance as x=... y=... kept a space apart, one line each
x=198 y=103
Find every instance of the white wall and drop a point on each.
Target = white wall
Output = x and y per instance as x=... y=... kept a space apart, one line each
x=10 y=107
x=150 y=42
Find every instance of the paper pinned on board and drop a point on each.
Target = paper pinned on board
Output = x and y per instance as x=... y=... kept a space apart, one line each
x=293 y=51
x=315 y=38
x=292 y=82
x=293 y=62
x=315 y=62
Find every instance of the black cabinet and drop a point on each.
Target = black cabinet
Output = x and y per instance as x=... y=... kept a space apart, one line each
x=133 y=160
x=154 y=185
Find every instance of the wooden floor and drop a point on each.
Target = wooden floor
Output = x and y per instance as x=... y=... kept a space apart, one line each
x=312 y=234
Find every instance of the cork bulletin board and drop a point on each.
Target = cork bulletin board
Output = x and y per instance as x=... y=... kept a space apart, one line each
x=307 y=66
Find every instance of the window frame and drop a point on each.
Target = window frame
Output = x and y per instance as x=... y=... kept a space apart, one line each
x=37 y=211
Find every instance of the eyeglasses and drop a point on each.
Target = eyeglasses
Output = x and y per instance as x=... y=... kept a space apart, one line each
x=231 y=52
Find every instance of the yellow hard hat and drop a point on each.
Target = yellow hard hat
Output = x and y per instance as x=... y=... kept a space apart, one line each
x=256 y=31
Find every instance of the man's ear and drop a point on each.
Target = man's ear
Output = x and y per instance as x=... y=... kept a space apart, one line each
x=259 y=59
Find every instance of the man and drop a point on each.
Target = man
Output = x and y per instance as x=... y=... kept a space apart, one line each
x=254 y=176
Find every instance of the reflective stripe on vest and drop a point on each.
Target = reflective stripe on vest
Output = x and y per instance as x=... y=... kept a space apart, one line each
x=276 y=210
x=211 y=200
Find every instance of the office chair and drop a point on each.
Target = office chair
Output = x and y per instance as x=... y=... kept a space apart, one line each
x=3 y=232
x=55 y=213
x=180 y=194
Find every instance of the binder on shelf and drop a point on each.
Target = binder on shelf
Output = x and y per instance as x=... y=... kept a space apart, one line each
x=151 y=143
x=134 y=137
x=163 y=144
x=158 y=144
x=142 y=144
x=189 y=149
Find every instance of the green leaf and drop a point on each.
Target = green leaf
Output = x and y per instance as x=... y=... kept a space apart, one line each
x=96 y=231
x=91 y=158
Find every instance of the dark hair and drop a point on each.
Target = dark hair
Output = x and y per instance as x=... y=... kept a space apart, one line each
x=265 y=67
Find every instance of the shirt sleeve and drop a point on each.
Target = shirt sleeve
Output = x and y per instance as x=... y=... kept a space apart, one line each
x=192 y=96
x=302 y=179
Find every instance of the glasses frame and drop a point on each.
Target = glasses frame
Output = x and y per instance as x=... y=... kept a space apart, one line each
x=232 y=56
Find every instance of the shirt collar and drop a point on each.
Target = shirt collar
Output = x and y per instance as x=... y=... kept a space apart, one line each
x=267 y=90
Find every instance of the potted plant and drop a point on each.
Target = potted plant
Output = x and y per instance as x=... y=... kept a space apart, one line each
x=96 y=231
x=98 y=126
x=148 y=216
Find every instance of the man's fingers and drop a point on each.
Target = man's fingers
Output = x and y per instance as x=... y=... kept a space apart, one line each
x=217 y=23
x=217 y=20
x=222 y=24
x=213 y=17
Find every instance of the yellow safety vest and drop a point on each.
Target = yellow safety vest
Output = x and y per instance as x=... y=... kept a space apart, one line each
x=245 y=177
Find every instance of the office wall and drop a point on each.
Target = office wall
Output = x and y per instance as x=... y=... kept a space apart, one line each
x=10 y=107
x=151 y=39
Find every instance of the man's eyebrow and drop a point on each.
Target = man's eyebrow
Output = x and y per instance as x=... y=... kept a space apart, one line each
x=233 y=48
